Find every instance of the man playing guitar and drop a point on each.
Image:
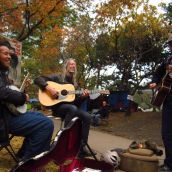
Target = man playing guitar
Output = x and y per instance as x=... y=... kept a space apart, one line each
x=36 y=128
x=165 y=69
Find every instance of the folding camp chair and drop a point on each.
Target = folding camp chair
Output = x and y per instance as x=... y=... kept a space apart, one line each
x=9 y=148
x=63 y=152
x=5 y=139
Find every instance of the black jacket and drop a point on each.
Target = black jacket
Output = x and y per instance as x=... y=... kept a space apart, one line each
x=7 y=96
x=104 y=111
x=161 y=70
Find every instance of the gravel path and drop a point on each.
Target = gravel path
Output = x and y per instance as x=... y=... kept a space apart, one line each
x=137 y=126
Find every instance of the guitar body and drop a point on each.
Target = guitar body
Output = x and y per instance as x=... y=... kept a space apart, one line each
x=160 y=96
x=64 y=96
x=162 y=92
x=19 y=109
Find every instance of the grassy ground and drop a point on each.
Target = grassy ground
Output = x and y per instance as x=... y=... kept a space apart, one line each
x=137 y=126
x=7 y=162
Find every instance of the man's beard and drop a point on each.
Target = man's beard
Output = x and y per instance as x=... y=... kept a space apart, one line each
x=3 y=67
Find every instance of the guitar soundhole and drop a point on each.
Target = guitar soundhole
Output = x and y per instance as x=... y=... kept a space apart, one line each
x=64 y=92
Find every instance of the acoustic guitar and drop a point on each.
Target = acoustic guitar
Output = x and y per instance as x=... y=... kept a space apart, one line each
x=18 y=110
x=162 y=91
x=66 y=92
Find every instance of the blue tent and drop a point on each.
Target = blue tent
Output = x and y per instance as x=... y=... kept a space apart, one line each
x=33 y=100
x=118 y=100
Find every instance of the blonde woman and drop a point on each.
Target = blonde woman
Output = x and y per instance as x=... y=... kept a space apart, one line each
x=65 y=110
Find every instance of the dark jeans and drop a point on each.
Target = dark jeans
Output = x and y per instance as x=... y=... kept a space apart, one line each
x=68 y=112
x=167 y=130
x=37 y=130
x=96 y=119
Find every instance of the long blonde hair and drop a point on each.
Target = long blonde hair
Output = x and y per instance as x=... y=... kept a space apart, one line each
x=65 y=71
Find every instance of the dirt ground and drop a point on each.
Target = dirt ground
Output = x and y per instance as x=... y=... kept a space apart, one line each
x=137 y=126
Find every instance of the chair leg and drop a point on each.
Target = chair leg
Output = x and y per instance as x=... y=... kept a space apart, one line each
x=11 y=152
x=92 y=153
x=9 y=149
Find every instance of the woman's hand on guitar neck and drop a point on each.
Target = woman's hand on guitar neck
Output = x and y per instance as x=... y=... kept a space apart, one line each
x=152 y=85
x=85 y=93
x=53 y=92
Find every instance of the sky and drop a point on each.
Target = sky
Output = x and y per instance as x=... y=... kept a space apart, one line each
x=155 y=2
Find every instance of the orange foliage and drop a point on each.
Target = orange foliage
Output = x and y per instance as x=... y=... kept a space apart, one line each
x=24 y=17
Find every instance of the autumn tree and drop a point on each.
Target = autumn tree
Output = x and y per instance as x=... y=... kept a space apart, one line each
x=136 y=35
x=128 y=35
x=39 y=25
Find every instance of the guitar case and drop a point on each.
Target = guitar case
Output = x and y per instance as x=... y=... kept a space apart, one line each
x=63 y=152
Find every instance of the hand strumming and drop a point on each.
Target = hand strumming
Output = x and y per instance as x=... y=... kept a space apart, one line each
x=53 y=92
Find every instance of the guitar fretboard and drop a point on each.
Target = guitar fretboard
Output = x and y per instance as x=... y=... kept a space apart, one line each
x=22 y=87
x=90 y=91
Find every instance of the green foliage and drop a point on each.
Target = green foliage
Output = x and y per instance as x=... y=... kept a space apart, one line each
x=142 y=98
x=135 y=41
x=168 y=10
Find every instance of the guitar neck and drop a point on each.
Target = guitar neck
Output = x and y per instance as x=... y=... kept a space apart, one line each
x=81 y=91
x=22 y=87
